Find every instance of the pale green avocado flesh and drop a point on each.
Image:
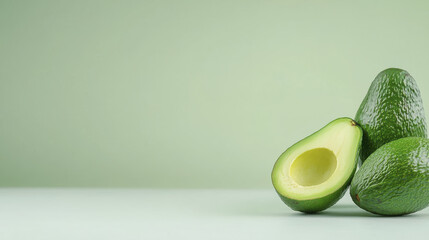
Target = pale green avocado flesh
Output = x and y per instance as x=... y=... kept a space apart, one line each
x=314 y=173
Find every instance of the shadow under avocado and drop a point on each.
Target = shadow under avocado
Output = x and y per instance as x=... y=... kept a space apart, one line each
x=260 y=209
x=342 y=210
x=350 y=210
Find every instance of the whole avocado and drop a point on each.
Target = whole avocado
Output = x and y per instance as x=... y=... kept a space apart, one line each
x=392 y=109
x=394 y=180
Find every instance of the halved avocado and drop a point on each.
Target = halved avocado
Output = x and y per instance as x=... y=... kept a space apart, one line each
x=314 y=173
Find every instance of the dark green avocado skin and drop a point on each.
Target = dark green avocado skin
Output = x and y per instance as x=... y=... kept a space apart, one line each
x=392 y=109
x=394 y=180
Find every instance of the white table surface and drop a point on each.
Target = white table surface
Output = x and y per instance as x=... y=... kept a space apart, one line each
x=187 y=214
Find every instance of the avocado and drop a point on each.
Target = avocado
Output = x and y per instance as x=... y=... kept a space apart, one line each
x=394 y=180
x=391 y=109
x=314 y=173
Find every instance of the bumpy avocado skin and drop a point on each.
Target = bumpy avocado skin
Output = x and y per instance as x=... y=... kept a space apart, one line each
x=394 y=180
x=319 y=204
x=392 y=109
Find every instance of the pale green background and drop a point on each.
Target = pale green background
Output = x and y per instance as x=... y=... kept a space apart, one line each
x=186 y=93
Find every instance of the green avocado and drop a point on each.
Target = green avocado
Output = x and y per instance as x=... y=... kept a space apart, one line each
x=392 y=109
x=314 y=173
x=394 y=180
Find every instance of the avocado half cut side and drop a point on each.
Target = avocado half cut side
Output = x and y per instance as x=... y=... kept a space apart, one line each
x=314 y=173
